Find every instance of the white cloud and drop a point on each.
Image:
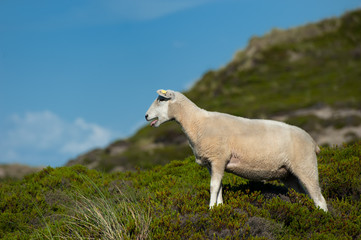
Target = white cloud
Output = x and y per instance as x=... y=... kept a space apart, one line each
x=85 y=136
x=114 y=11
x=43 y=137
x=149 y=9
x=178 y=44
x=90 y=12
x=38 y=130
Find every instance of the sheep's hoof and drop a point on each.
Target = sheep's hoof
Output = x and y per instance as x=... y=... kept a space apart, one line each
x=217 y=204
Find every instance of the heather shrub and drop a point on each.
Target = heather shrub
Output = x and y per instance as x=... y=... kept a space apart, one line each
x=171 y=202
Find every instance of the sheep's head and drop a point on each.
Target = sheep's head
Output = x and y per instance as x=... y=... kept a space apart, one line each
x=158 y=111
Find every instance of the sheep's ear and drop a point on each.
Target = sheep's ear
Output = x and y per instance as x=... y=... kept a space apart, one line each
x=169 y=94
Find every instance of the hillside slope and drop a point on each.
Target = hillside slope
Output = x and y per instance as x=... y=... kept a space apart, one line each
x=16 y=171
x=308 y=76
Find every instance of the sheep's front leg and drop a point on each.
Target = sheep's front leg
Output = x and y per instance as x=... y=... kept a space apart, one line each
x=216 y=185
x=219 y=196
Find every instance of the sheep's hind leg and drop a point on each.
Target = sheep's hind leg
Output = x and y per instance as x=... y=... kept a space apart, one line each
x=291 y=181
x=311 y=185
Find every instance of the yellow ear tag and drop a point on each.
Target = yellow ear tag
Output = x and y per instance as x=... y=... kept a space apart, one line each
x=163 y=91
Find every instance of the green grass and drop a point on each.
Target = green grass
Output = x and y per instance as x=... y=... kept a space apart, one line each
x=171 y=202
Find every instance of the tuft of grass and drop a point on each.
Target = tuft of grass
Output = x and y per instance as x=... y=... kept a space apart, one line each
x=101 y=215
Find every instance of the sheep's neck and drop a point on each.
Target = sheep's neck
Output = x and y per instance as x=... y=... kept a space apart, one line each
x=188 y=115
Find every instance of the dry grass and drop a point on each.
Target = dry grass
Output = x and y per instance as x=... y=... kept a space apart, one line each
x=102 y=216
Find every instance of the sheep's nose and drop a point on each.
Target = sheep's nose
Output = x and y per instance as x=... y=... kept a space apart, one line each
x=146 y=117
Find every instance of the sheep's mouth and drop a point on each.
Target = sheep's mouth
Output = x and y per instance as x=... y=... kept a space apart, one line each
x=153 y=121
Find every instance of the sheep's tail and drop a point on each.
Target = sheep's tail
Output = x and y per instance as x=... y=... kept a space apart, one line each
x=317 y=149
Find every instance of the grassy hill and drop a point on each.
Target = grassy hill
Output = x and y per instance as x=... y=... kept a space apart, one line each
x=171 y=202
x=309 y=76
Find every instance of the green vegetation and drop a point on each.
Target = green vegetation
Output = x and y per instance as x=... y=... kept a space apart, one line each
x=171 y=202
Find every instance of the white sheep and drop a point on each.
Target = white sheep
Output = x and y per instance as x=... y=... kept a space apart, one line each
x=253 y=149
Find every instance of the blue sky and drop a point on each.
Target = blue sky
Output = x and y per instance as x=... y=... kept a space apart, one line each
x=75 y=75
